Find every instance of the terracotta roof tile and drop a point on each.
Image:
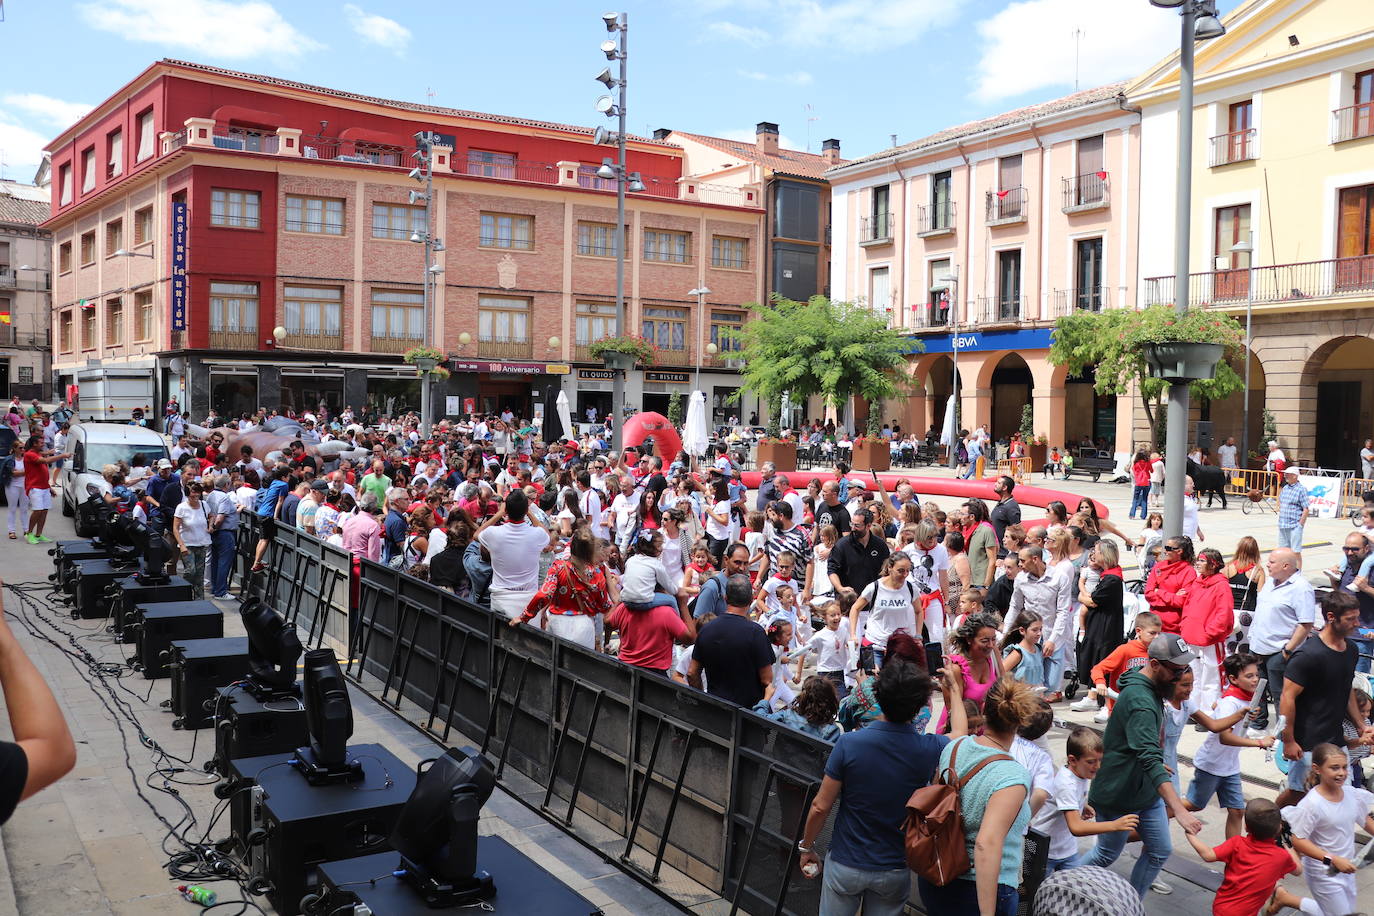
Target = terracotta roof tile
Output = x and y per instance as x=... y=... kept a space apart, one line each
x=785 y=161
x=20 y=210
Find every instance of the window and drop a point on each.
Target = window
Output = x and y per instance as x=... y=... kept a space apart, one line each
x=505 y=230
x=941 y=198
x=143 y=226
x=491 y=165
x=670 y=247
x=1008 y=173
x=114 y=236
x=666 y=327
x=729 y=252
x=397 y=221
x=1087 y=279
x=725 y=326
x=320 y=215
x=1240 y=121
x=798 y=212
x=880 y=213
x=1363 y=113
x=87 y=248
x=1008 y=285
x=597 y=239
x=795 y=270
x=115 y=143
x=503 y=320
x=4 y=256
x=1355 y=239
x=64 y=179
x=146 y=136
x=234 y=308
x=1090 y=188
x=88 y=170
x=114 y=323
x=398 y=315
x=64 y=331
x=143 y=315
x=595 y=321
x=26 y=375
x=234 y=208
x=938 y=304
x=88 y=329
x=314 y=311
x=64 y=257
x=879 y=289
x=1232 y=278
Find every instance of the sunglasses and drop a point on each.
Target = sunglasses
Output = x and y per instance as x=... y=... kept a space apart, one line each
x=1174 y=549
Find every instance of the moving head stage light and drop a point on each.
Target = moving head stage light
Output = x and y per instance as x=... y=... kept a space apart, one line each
x=273 y=650
x=436 y=833
x=329 y=719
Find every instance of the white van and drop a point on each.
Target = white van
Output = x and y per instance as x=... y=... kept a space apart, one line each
x=94 y=445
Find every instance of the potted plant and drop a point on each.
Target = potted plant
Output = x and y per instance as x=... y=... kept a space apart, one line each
x=871 y=450
x=424 y=359
x=773 y=447
x=1038 y=448
x=624 y=352
x=1184 y=348
x=439 y=374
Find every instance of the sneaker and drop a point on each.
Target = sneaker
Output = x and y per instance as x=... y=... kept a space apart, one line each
x=1102 y=715
x=1087 y=704
x=224 y=597
x=1159 y=887
x=44 y=539
x=31 y=539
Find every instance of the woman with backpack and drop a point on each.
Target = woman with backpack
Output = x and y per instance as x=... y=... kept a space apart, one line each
x=995 y=808
x=866 y=865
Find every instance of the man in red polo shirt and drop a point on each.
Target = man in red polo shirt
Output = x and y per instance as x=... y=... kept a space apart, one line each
x=37 y=487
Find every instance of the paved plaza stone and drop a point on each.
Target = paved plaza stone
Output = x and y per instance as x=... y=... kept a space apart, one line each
x=89 y=846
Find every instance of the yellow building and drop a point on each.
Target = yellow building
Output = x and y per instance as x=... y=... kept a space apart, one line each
x=1282 y=215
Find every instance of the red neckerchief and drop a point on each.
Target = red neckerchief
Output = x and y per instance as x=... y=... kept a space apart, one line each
x=701 y=569
x=1114 y=571
x=1234 y=691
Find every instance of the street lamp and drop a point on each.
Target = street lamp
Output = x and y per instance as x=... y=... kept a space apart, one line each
x=126 y=253
x=1199 y=24
x=425 y=141
x=701 y=292
x=1246 y=247
x=949 y=283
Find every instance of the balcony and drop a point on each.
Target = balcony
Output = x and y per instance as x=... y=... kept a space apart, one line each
x=393 y=344
x=727 y=195
x=1353 y=122
x=1087 y=299
x=725 y=359
x=668 y=357
x=505 y=348
x=931 y=315
x=934 y=220
x=252 y=141
x=313 y=340
x=1236 y=146
x=875 y=229
x=1007 y=308
x=1086 y=192
x=240 y=339
x=8 y=279
x=515 y=170
x=1006 y=207
x=1338 y=278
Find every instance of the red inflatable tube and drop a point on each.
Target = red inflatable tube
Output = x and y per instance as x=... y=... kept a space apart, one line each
x=943 y=486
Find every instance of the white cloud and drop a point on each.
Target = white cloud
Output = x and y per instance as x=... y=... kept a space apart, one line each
x=231 y=29
x=378 y=29
x=45 y=108
x=21 y=147
x=747 y=135
x=1029 y=45
x=795 y=78
x=848 y=25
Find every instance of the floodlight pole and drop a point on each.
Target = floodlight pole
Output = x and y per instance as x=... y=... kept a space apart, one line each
x=618 y=384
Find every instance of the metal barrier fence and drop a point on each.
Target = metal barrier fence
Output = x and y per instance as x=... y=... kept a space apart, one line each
x=1240 y=481
x=1353 y=490
x=646 y=770
x=1018 y=469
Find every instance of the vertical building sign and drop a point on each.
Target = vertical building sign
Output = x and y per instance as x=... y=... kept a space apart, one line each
x=178 y=265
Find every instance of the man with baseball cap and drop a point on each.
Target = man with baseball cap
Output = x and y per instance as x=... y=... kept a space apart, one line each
x=1133 y=778
x=1292 y=512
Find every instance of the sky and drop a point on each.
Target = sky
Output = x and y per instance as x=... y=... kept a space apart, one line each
x=861 y=71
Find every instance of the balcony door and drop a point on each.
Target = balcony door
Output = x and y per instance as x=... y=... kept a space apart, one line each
x=1232 y=224
x=941 y=185
x=1355 y=240
x=880 y=213
x=1364 y=104
x=1088 y=274
x=1240 y=119
x=1010 y=200
x=1009 y=285
x=1089 y=186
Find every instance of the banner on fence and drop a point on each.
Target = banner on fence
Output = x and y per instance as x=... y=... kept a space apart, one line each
x=1323 y=495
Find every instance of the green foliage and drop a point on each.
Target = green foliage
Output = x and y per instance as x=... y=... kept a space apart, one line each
x=415 y=353
x=820 y=347
x=1027 y=429
x=774 y=416
x=1269 y=433
x=1111 y=344
x=676 y=411
x=643 y=350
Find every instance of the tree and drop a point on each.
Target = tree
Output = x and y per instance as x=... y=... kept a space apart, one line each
x=676 y=414
x=1112 y=342
x=822 y=347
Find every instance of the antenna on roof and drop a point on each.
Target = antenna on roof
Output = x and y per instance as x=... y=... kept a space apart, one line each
x=894 y=139
x=1077 y=42
x=809 y=118
x=429 y=91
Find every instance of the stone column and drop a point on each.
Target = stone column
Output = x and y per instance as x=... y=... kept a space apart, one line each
x=1048 y=408
x=288 y=141
x=200 y=131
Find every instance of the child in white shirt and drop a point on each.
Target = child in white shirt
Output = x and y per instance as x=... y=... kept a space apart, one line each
x=830 y=646
x=1216 y=765
x=1061 y=818
x=645 y=582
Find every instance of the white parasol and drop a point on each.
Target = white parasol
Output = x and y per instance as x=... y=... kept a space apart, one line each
x=947 y=433
x=694 y=433
x=565 y=415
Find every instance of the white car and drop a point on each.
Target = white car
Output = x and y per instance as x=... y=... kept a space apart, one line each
x=94 y=445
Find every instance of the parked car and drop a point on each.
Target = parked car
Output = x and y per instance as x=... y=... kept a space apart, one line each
x=94 y=445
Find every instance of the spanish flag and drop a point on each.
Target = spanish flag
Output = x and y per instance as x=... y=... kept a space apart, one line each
x=5 y=318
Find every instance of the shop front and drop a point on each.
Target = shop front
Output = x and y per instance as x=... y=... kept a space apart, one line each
x=660 y=386
x=525 y=389
x=593 y=395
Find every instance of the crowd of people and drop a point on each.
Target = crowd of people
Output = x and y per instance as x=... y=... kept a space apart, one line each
x=839 y=607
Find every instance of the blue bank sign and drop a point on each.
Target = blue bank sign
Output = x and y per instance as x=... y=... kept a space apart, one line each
x=974 y=341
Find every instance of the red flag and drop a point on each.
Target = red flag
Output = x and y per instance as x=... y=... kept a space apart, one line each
x=4 y=317
x=1102 y=176
x=1004 y=193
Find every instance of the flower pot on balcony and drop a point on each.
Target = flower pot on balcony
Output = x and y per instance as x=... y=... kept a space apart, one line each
x=781 y=452
x=871 y=455
x=616 y=360
x=1181 y=361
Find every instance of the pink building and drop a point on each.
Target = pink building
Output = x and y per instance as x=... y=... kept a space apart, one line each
x=978 y=237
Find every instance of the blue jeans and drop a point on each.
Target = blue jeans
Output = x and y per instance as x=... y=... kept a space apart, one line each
x=1156 y=847
x=1365 y=647
x=659 y=599
x=1140 y=499
x=844 y=889
x=1054 y=669
x=222 y=547
x=972 y=466
x=1066 y=863
x=1272 y=667
x=960 y=897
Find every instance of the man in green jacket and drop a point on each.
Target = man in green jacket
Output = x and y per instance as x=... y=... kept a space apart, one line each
x=1133 y=778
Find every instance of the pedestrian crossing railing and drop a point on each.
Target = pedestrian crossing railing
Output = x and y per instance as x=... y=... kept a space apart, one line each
x=1240 y=481
x=1018 y=469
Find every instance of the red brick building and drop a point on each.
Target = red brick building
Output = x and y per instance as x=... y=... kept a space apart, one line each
x=299 y=216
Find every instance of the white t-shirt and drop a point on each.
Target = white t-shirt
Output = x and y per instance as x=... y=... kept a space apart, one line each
x=1226 y=454
x=890 y=610
x=1037 y=762
x=672 y=560
x=626 y=509
x=438 y=539
x=1213 y=756
x=515 y=549
x=643 y=576
x=1329 y=824
x=923 y=579
x=831 y=648
x=770 y=594
x=590 y=502
x=1157 y=471
x=1190 y=520
x=1070 y=793
x=195 y=526
x=246 y=498
x=755 y=540
x=714 y=528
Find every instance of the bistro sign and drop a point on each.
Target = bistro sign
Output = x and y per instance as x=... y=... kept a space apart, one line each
x=676 y=378
x=468 y=365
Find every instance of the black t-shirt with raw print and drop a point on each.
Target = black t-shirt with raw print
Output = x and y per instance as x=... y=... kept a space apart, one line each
x=1325 y=677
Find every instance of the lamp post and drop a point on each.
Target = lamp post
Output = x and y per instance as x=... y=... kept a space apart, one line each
x=1199 y=22
x=614 y=49
x=425 y=142
x=949 y=284
x=701 y=292
x=1247 y=247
